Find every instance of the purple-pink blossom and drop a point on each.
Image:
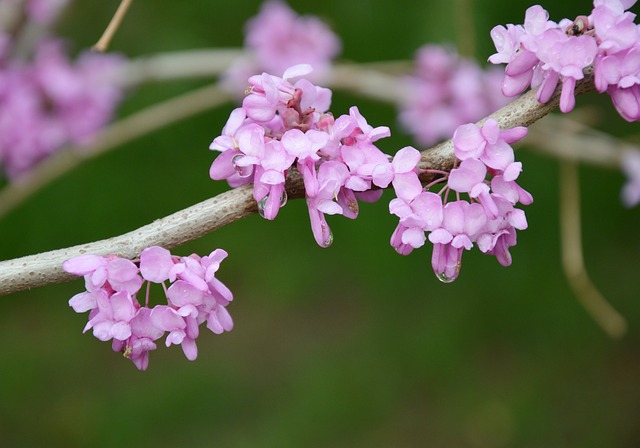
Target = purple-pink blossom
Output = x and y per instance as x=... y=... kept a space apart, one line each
x=113 y=284
x=278 y=38
x=50 y=101
x=486 y=172
x=544 y=54
x=446 y=91
x=285 y=123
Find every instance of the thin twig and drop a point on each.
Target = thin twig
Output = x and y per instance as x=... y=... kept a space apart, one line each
x=173 y=230
x=43 y=269
x=566 y=138
x=203 y=63
x=116 y=20
x=572 y=257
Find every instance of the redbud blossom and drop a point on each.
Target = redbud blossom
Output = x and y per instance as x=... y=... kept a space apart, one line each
x=113 y=284
x=543 y=54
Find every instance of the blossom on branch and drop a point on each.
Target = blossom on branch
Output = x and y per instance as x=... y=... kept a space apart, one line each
x=113 y=283
x=544 y=54
x=284 y=122
x=488 y=218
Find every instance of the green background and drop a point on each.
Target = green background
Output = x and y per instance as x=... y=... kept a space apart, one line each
x=345 y=347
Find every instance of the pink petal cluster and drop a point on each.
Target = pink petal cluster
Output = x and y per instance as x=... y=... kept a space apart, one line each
x=544 y=54
x=284 y=123
x=48 y=101
x=487 y=174
x=112 y=283
x=446 y=91
x=278 y=38
x=41 y=12
x=45 y=11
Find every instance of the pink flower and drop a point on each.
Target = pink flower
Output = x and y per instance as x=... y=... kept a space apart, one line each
x=181 y=329
x=487 y=143
x=462 y=222
x=331 y=178
x=401 y=172
x=421 y=214
x=280 y=38
x=113 y=316
x=116 y=273
x=195 y=296
x=48 y=101
x=156 y=264
x=141 y=342
x=445 y=91
x=547 y=53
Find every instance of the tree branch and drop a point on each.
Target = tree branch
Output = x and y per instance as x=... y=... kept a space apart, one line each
x=186 y=225
x=523 y=111
x=193 y=222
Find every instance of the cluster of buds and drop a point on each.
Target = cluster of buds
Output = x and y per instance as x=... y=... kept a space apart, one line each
x=543 y=54
x=112 y=283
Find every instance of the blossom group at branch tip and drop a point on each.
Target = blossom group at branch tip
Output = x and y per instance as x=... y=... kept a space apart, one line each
x=544 y=54
x=112 y=284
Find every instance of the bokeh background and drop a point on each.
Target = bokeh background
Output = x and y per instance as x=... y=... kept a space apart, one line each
x=351 y=346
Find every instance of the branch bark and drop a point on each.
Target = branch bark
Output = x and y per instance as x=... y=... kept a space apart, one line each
x=191 y=223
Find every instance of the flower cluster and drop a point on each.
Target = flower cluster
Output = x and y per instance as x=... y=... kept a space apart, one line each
x=446 y=91
x=283 y=123
x=543 y=54
x=48 y=101
x=487 y=173
x=278 y=38
x=195 y=296
x=40 y=12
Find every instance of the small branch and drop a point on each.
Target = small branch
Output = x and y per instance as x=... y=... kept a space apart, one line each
x=569 y=139
x=193 y=222
x=368 y=83
x=573 y=260
x=116 y=20
x=186 y=225
x=134 y=126
x=178 y=65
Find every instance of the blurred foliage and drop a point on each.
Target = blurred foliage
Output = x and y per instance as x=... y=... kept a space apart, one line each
x=348 y=346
